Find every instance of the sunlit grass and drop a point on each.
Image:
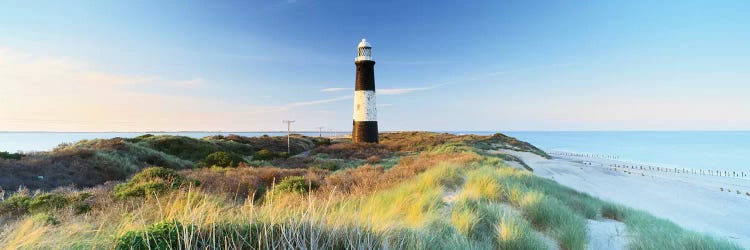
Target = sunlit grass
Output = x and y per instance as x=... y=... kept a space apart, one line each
x=496 y=207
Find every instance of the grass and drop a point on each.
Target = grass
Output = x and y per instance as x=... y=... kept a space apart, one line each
x=444 y=194
x=650 y=232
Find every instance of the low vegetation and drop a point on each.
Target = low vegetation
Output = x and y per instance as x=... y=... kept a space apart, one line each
x=152 y=181
x=221 y=159
x=10 y=156
x=416 y=190
x=92 y=162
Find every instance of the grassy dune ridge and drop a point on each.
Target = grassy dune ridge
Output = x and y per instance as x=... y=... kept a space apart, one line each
x=442 y=192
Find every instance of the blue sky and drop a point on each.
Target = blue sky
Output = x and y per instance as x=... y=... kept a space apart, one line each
x=441 y=65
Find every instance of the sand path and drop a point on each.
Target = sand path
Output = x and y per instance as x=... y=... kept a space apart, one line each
x=694 y=202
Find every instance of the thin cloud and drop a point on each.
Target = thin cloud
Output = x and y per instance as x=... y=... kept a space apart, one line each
x=191 y=83
x=55 y=94
x=316 y=102
x=401 y=91
x=334 y=89
x=397 y=91
x=393 y=91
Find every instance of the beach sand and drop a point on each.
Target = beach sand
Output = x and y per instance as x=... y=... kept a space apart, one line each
x=692 y=201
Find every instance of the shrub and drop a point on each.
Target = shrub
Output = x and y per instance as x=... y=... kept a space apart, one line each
x=11 y=156
x=417 y=141
x=81 y=203
x=354 y=150
x=47 y=202
x=297 y=144
x=221 y=159
x=152 y=180
x=242 y=182
x=266 y=155
x=328 y=165
x=45 y=219
x=163 y=235
x=191 y=148
x=16 y=204
x=294 y=184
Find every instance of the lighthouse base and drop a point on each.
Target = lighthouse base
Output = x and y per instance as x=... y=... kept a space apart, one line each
x=365 y=131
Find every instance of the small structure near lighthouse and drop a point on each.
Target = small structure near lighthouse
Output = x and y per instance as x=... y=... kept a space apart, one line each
x=365 y=112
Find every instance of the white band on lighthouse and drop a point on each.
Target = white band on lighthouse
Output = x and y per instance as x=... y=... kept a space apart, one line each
x=364 y=106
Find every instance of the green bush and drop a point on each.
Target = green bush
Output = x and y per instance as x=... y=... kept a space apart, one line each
x=12 y=156
x=48 y=202
x=266 y=155
x=294 y=184
x=81 y=203
x=163 y=235
x=16 y=204
x=46 y=219
x=190 y=148
x=152 y=180
x=221 y=159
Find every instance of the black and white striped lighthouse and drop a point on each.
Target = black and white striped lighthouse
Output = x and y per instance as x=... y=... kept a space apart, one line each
x=365 y=112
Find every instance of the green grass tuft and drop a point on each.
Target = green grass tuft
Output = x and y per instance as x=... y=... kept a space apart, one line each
x=152 y=180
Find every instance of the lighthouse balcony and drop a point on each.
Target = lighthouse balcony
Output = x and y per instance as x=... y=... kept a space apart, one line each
x=363 y=58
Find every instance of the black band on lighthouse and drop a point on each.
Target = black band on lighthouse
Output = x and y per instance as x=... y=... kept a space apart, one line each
x=365 y=75
x=365 y=131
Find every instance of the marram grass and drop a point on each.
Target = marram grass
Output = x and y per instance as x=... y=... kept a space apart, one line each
x=495 y=207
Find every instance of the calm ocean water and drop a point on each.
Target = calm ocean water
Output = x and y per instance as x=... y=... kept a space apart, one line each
x=721 y=150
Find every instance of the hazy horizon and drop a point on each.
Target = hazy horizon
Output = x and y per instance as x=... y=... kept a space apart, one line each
x=381 y=131
x=486 y=66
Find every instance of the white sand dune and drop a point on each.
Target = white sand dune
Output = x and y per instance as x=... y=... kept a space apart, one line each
x=694 y=202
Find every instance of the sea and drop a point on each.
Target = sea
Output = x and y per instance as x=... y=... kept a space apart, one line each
x=717 y=150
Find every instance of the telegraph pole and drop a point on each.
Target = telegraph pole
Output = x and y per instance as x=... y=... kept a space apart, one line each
x=288 y=135
x=320 y=132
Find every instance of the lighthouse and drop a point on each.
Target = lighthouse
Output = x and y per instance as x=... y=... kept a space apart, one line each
x=365 y=112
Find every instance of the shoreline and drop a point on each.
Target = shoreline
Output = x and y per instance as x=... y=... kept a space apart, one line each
x=695 y=202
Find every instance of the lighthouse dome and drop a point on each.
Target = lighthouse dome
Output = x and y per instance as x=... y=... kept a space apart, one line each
x=364 y=51
x=364 y=44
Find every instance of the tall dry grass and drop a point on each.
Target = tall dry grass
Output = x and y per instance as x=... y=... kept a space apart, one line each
x=445 y=197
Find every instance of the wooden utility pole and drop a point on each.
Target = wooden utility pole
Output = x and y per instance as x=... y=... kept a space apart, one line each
x=320 y=132
x=288 y=136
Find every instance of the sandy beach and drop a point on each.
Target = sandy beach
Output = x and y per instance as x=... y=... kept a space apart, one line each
x=693 y=201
